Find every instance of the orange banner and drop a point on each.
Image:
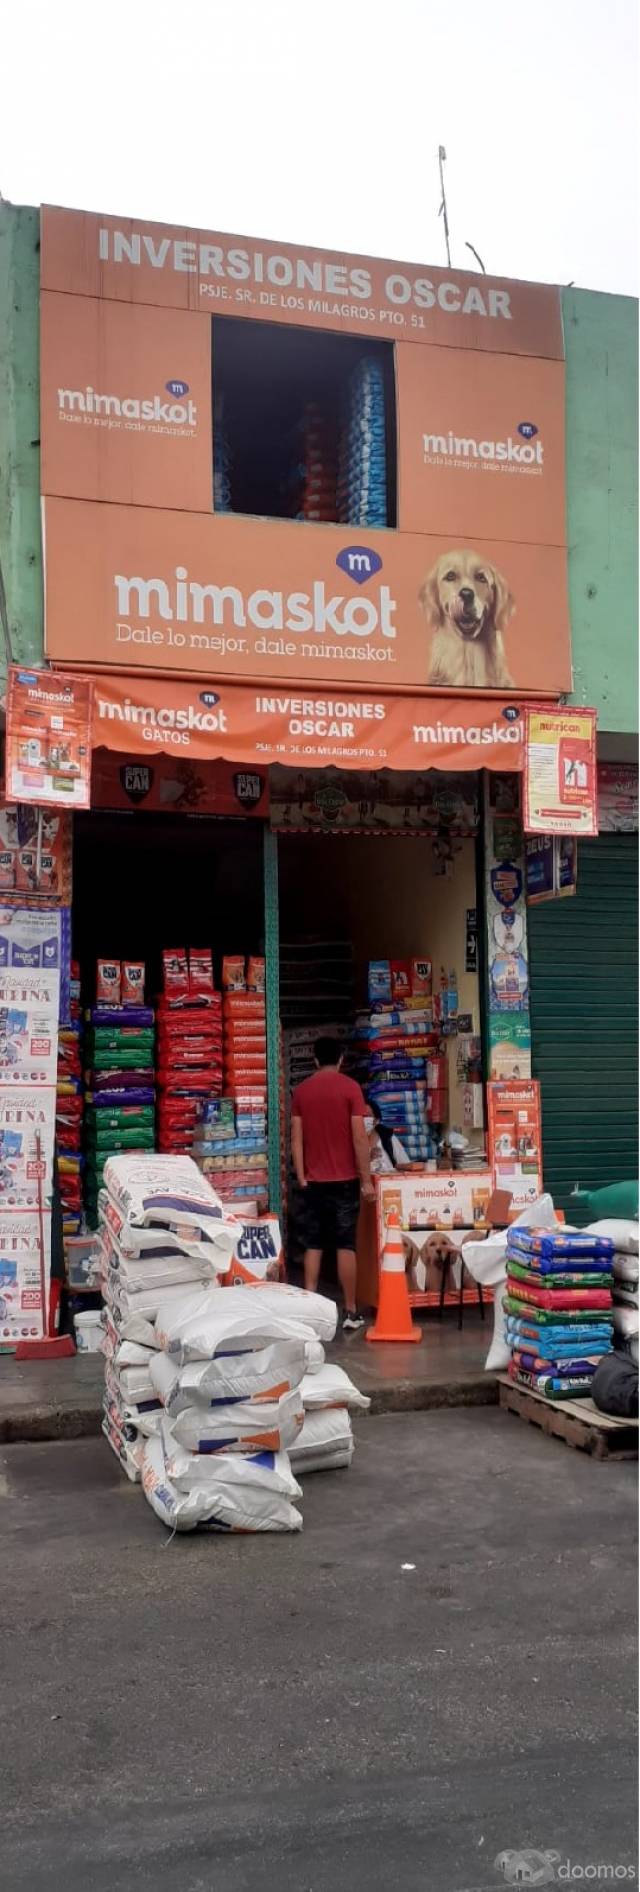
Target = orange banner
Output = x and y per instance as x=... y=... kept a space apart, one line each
x=121 y=259
x=285 y=602
x=144 y=716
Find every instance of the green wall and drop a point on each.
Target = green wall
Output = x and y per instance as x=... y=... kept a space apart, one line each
x=601 y=340
x=602 y=408
x=20 y=543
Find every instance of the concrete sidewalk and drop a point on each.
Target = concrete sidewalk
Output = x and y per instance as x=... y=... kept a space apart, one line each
x=62 y=1399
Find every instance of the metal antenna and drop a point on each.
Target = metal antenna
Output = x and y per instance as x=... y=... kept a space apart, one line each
x=474 y=252
x=442 y=159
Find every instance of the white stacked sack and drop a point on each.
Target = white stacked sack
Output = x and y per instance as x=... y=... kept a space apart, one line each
x=326 y=1442
x=626 y=1272
x=228 y=1373
x=163 y=1232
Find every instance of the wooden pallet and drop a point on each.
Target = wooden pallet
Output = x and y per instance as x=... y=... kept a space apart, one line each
x=577 y=1421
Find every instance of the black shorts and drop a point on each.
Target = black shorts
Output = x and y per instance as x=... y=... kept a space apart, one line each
x=331 y=1214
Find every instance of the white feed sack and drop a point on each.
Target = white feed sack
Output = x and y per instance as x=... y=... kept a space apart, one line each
x=331 y=1386
x=205 y=1324
x=244 y=1425
x=326 y=1442
x=487 y=1263
x=240 y=1494
x=261 y=1374
x=169 y=1192
x=624 y=1234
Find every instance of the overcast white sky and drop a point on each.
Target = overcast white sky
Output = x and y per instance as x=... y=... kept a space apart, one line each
x=318 y=121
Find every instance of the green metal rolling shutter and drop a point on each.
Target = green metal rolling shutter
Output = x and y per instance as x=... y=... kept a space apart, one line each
x=583 y=955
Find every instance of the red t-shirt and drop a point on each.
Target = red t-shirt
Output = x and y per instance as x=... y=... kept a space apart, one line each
x=326 y=1104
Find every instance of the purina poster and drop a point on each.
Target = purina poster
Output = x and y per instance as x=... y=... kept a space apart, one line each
x=27 y=1128
x=29 y=1004
x=20 y=1299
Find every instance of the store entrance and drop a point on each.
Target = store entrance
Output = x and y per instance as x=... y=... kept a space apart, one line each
x=346 y=903
x=167 y=1043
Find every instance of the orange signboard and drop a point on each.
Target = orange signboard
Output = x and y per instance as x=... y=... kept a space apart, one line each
x=126 y=403
x=560 y=779
x=461 y=582
x=481 y=445
x=48 y=753
x=124 y=260
x=278 y=600
x=144 y=716
x=515 y=1139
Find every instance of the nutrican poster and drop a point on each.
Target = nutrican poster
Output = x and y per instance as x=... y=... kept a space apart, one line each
x=560 y=782
x=48 y=738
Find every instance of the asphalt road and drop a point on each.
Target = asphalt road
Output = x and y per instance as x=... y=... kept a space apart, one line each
x=304 y=1714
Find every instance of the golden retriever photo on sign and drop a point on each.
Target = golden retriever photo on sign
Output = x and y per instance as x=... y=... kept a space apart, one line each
x=467 y=604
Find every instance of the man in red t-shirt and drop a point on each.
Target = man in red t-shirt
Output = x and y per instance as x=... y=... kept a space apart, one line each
x=330 y=1150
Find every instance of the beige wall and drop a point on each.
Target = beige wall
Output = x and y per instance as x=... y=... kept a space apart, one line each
x=385 y=896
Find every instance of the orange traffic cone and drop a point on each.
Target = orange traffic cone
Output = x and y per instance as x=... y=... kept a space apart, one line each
x=393 y=1319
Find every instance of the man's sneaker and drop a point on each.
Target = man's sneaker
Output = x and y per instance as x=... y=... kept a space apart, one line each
x=351 y=1323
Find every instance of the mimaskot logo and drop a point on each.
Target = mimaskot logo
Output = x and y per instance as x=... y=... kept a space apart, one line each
x=527 y=428
x=510 y=714
x=178 y=388
x=209 y=698
x=359 y=563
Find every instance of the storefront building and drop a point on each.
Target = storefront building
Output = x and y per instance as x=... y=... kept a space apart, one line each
x=304 y=521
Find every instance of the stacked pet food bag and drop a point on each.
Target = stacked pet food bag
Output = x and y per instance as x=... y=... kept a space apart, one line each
x=362 y=481
x=210 y=1388
x=221 y=461
x=189 y=1046
x=230 y=1144
x=395 y=1055
x=315 y=478
x=119 y=1049
x=626 y=1273
x=558 y=1308
x=70 y=1111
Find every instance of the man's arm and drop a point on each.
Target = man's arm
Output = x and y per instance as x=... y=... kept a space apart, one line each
x=361 y=1147
x=297 y=1150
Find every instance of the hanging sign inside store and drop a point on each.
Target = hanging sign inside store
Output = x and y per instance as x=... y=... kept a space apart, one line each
x=515 y=1139
x=551 y=867
x=618 y=797
x=471 y=941
x=172 y=786
x=560 y=783
x=329 y=554
x=48 y=739
x=35 y=856
x=144 y=716
x=391 y=802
